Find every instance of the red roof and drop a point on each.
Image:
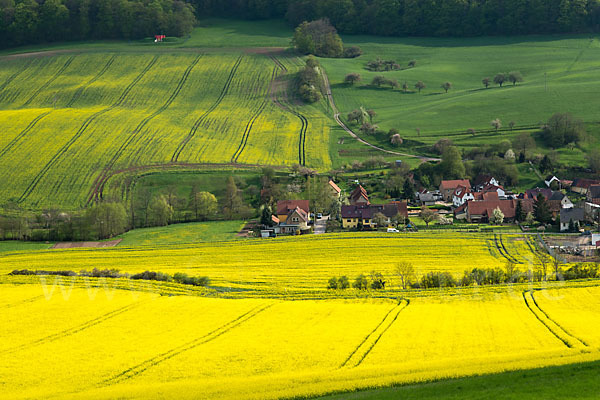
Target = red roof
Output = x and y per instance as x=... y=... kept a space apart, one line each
x=446 y=185
x=508 y=207
x=285 y=206
x=334 y=186
x=486 y=196
x=461 y=191
x=358 y=193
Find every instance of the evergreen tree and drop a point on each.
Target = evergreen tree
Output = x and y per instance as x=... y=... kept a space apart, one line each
x=541 y=210
x=408 y=190
x=519 y=212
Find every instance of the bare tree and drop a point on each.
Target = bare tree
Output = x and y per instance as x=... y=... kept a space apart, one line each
x=486 y=82
x=406 y=273
x=396 y=140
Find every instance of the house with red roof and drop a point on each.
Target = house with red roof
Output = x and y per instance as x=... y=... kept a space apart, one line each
x=482 y=210
x=359 y=196
x=334 y=189
x=447 y=188
x=285 y=207
x=461 y=195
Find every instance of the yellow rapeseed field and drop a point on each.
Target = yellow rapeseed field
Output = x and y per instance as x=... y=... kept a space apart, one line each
x=89 y=342
x=293 y=264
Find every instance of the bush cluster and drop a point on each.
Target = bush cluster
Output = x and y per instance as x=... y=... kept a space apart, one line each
x=42 y=272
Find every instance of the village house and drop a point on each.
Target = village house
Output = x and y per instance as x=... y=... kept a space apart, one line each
x=559 y=200
x=582 y=185
x=570 y=217
x=427 y=198
x=593 y=194
x=482 y=210
x=447 y=188
x=334 y=189
x=461 y=195
x=297 y=220
x=354 y=216
x=359 y=196
x=482 y=180
x=495 y=189
x=550 y=179
x=285 y=207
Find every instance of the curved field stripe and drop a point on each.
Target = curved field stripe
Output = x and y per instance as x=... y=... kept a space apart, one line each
x=557 y=324
x=201 y=119
x=101 y=180
x=49 y=81
x=154 y=361
x=502 y=248
x=364 y=348
x=567 y=339
x=76 y=329
x=80 y=91
x=81 y=130
x=303 y=120
x=12 y=78
x=23 y=133
x=250 y=123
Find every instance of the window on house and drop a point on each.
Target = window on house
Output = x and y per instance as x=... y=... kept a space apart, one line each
x=295 y=219
x=348 y=220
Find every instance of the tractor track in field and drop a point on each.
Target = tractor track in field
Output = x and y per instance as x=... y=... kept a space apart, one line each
x=192 y=344
x=76 y=329
x=49 y=81
x=554 y=328
x=250 y=124
x=101 y=179
x=82 y=129
x=80 y=91
x=502 y=249
x=24 y=301
x=364 y=348
x=23 y=133
x=12 y=78
x=285 y=106
x=203 y=117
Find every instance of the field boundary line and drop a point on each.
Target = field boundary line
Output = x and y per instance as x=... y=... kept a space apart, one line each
x=23 y=133
x=252 y=121
x=101 y=180
x=76 y=329
x=49 y=81
x=362 y=351
x=200 y=120
x=567 y=339
x=79 y=92
x=81 y=130
x=502 y=249
x=212 y=335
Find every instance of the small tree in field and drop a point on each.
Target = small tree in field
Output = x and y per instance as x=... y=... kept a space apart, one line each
x=379 y=80
x=352 y=78
x=511 y=125
x=427 y=215
x=514 y=77
x=486 y=82
x=372 y=114
x=412 y=63
x=360 y=282
x=471 y=131
x=446 y=86
x=497 y=124
x=405 y=87
x=396 y=140
x=420 y=86
x=499 y=79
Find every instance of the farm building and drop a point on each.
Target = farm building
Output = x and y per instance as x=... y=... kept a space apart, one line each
x=593 y=194
x=355 y=215
x=570 y=216
x=359 y=196
x=582 y=185
x=481 y=210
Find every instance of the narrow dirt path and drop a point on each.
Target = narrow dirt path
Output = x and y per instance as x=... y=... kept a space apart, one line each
x=336 y=116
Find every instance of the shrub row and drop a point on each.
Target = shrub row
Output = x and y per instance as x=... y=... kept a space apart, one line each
x=178 y=277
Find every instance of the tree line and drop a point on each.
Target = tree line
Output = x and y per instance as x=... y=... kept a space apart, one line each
x=421 y=17
x=39 y=21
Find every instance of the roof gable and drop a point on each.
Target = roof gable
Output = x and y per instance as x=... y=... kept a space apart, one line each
x=285 y=206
